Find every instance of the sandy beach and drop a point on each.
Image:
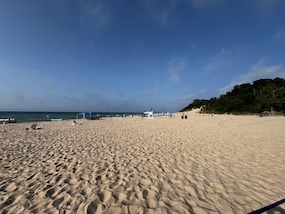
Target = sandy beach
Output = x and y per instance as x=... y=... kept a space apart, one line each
x=205 y=164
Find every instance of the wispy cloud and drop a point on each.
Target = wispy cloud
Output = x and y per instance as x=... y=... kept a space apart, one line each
x=161 y=11
x=199 y=4
x=156 y=85
x=146 y=93
x=96 y=11
x=175 y=67
x=259 y=71
x=162 y=17
x=224 y=58
x=266 y=7
x=186 y=97
x=149 y=92
x=50 y=83
x=92 y=101
x=178 y=103
x=280 y=35
x=184 y=100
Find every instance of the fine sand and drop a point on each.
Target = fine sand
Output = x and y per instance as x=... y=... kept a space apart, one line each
x=205 y=164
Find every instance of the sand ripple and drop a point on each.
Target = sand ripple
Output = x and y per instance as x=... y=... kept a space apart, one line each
x=220 y=164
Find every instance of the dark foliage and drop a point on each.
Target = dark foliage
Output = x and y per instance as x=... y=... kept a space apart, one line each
x=262 y=95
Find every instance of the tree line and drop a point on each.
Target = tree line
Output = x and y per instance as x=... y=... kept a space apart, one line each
x=264 y=95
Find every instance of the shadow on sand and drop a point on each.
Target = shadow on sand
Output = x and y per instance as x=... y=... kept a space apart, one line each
x=271 y=209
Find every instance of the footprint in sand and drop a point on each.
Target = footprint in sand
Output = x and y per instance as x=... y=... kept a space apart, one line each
x=95 y=207
x=104 y=196
x=149 y=194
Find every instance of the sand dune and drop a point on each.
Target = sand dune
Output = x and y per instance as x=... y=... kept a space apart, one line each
x=220 y=164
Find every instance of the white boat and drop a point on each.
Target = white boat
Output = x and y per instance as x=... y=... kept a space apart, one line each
x=55 y=119
x=149 y=114
x=7 y=120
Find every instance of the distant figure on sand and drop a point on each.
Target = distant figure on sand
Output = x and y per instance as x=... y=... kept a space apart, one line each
x=182 y=117
x=75 y=123
x=185 y=116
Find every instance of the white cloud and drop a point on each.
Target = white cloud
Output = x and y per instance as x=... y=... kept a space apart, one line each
x=175 y=67
x=280 y=35
x=224 y=58
x=258 y=71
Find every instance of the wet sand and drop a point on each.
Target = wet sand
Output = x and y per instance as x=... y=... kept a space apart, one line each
x=205 y=164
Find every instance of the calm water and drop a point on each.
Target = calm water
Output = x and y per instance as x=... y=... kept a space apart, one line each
x=22 y=117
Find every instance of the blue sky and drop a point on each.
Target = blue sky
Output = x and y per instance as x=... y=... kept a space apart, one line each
x=130 y=55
